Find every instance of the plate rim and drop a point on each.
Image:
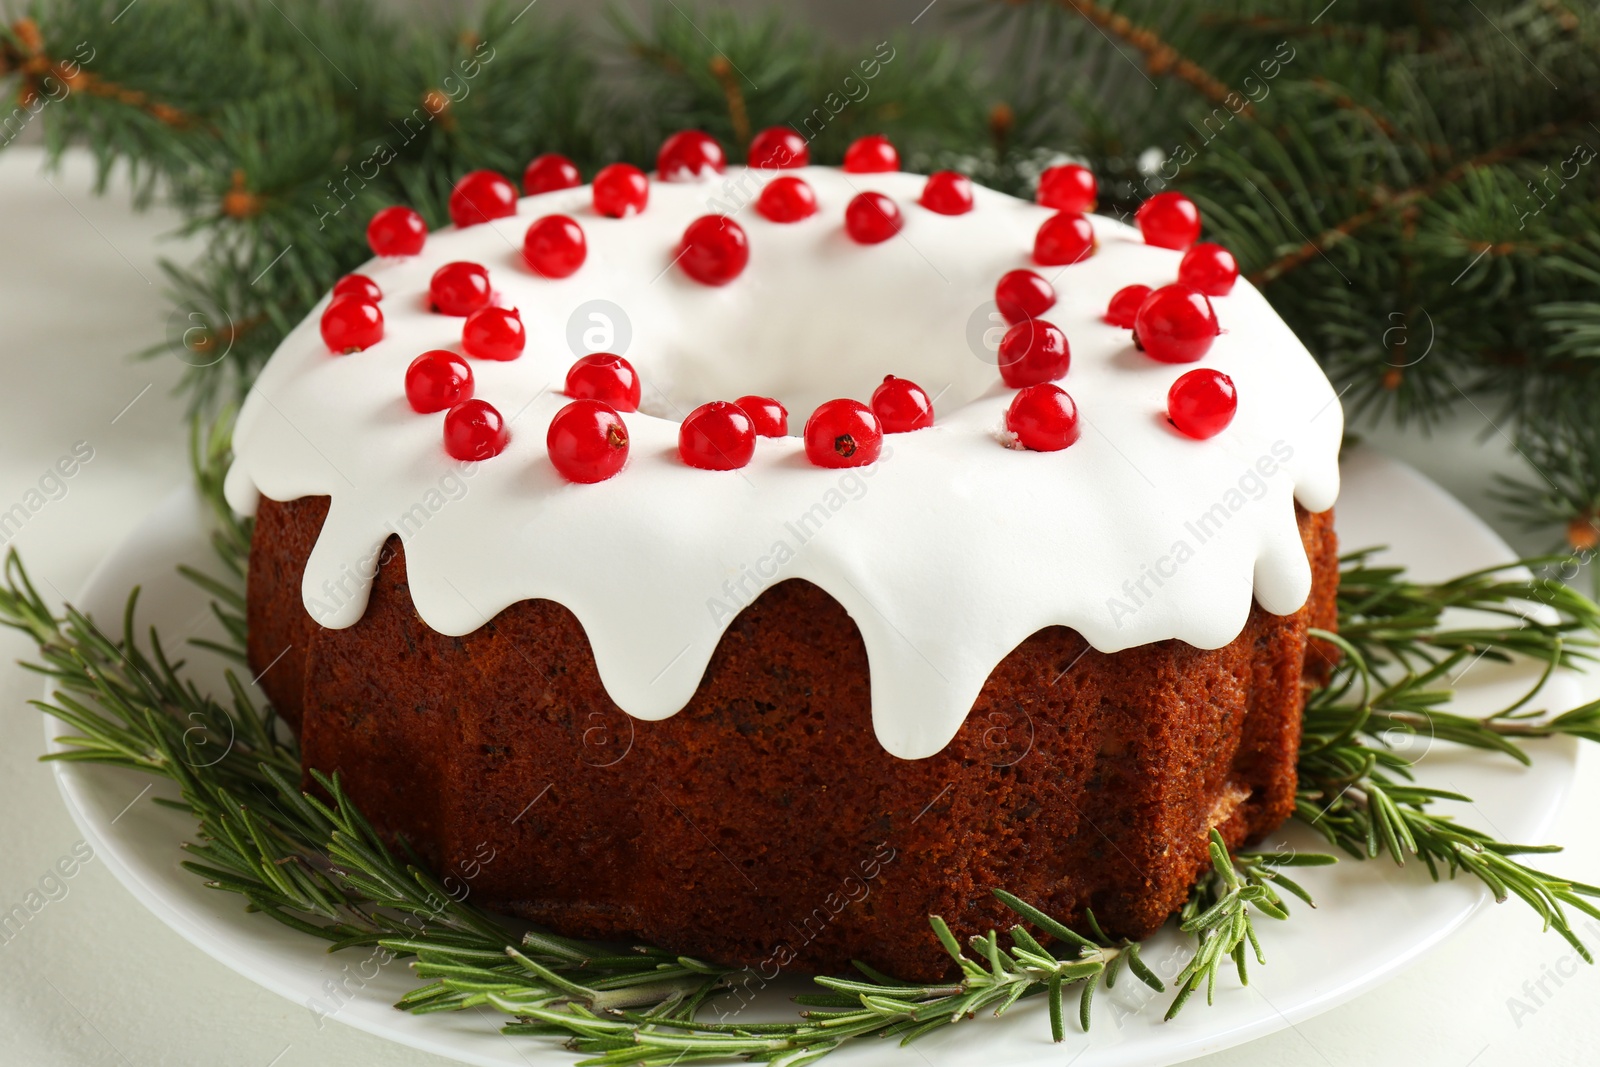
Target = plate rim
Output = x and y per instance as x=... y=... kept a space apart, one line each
x=390 y=1024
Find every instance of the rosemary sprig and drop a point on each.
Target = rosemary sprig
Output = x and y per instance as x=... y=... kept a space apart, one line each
x=627 y=1021
x=1218 y=912
x=317 y=866
x=1358 y=790
x=311 y=861
x=1363 y=800
x=1387 y=618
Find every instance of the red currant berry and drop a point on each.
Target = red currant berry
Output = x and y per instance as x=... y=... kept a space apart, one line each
x=494 y=333
x=1169 y=220
x=1125 y=304
x=1202 y=403
x=550 y=172
x=604 y=377
x=1068 y=187
x=947 y=193
x=587 y=442
x=1175 y=324
x=1063 y=239
x=554 y=246
x=351 y=324
x=1032 y=352
x=1043 y=418
x=1209 y=268
x=787 y=199
x=1022 y=294
x=689 y=155
x=901 y=406
x=872 y=154
x=770 y=418
x=714 y=250
x=459 y=288
x=438 y=380
x=843 y=433
x=718 y=436
x=872 y=218
x=481 y=196
x=779 y=148
x=396 y=231
x=620 y=190
x=474 y=430
x=358 y=285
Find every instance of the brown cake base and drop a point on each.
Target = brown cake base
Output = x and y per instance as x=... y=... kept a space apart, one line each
x=763 y=824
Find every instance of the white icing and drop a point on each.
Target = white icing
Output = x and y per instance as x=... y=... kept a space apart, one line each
x=947 y=553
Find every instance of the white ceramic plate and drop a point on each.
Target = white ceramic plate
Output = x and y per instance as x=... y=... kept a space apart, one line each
x=1374 y=919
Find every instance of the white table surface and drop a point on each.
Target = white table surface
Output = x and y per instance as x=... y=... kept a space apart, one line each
x=95 y=979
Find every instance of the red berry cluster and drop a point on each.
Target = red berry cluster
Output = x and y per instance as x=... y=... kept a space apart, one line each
x=481 y=196
x=1176 y=323
x=438 y=380
x=778 y=148
x=494 y=333
x=352 y=321
x=549 y=173
x=587 y=440
x=396 y=231
x=459 y=288
x=787 y=199
x=1043 y=418
x=554 y=246
x=1172 y=323
x=714 y=251
x=1069 y=187
x=1202 y=403
x=1034 y=353
x=441 y=380
x=689 y=155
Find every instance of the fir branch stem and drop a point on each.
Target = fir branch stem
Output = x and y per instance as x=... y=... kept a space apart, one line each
x=1392 y=203
x=1160 y=57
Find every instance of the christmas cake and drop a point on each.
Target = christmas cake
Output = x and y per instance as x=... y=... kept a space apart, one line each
x=1022 y=601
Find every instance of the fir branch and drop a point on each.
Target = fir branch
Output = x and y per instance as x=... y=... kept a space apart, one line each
x=1393 y=203
x=1161 y=58
x=738 y=115
x=22 y=49
x=1441 y=175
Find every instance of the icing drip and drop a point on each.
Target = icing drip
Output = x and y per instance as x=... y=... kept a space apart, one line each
x=947 y=553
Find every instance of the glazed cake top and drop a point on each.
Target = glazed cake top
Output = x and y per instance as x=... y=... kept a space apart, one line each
x=947 y=552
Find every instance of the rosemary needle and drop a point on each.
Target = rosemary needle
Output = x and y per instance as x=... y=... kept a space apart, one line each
x=313 y=863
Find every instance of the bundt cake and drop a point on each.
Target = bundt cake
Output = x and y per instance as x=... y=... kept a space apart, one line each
x=539 y=572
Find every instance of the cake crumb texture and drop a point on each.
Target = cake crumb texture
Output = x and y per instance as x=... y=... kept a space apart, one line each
x=763 y=824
